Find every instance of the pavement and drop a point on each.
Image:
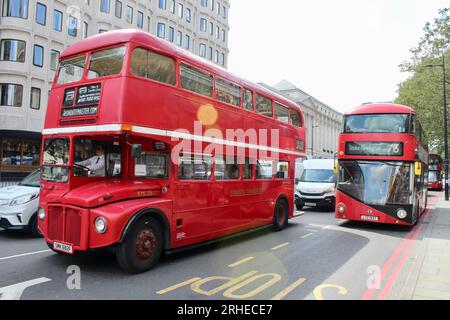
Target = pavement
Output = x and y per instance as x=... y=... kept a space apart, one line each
x=430 y=275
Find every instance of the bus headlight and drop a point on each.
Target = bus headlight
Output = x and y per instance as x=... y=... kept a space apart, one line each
x=402 y=214
x=100 y=225
x=341 y=208
x=41 y=214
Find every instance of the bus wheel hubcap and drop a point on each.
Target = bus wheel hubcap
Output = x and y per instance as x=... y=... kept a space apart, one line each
x=146 y=243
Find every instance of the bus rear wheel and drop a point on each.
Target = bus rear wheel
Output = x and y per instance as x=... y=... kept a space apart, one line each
x=142 y=247
x=280 y=217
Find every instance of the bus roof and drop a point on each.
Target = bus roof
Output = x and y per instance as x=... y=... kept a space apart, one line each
x=376 y=108
x=146 y=39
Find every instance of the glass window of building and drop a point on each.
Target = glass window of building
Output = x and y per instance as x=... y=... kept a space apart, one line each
x=72 y=26
x=216 y=56
x=204 y=3
x=129 y=14
x=57 y=20
x=179 y=38
x=264 y=106
x=35 y=98
x=140 y=19
x=210 y=53
x=161 y=30
x=211 y=28
x=223 y=35
x=15 y=8
x=195 y=80
x=11 y=94
x=54 y=58
x=104 y=6
x=222 y=59
x=203 y=24
x=180 y=10
x=41 y=13
x=212 y=5
x=118 y=9
x=172 y=6
x=202 y=51
x=150 y=65
x=149 y=24
x=12 y=50
x=162 y=4
x=85 y=30
x=171 y=34
x=188 y=15
x=187 y=41
x=218 y=32
x=218 y=8
x=224 y=12
x=38 y=55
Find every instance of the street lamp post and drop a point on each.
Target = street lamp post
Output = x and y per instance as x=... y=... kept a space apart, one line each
x=446 y=162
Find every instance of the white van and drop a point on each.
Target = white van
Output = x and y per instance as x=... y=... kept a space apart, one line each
x=317 y=185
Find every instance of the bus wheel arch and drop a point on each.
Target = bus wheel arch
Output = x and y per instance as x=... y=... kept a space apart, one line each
x=158 y=215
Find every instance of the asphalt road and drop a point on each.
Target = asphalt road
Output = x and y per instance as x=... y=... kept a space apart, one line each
x=316 y=257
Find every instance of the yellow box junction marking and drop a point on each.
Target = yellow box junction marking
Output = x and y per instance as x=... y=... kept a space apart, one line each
x=289 y=289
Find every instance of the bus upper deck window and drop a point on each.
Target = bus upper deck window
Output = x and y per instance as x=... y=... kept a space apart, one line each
x=71 y=70
x=106 y=62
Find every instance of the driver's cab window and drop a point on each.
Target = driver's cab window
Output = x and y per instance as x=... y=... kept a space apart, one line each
x=152 y=165
x=94 y=158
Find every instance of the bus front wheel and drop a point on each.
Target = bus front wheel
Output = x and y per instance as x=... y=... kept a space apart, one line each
x=142 y=247
x=280 y=218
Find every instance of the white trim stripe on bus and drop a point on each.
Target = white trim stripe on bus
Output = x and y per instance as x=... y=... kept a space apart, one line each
x=166 y=133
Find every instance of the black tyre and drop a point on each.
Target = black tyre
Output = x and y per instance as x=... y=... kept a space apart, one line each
x=33 y=227
x=142 y=247
x=299 y=204
x=280 y=216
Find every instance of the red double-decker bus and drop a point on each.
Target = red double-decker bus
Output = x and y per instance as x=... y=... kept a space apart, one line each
x=435 y=166
x=148 y=148
x=383 y=159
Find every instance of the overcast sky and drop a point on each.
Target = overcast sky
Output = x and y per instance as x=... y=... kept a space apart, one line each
x=343 y=52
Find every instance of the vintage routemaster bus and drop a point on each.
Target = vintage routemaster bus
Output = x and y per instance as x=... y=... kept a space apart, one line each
x=435 y=166
x=383 y=159
x=148 y=148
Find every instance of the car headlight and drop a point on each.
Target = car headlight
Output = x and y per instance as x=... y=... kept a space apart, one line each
x=330 y=190
x=24 y=199
x=341 y=208
x=100 y=225
x=41 y=214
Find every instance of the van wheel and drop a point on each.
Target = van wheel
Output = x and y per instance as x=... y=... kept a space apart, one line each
x=299 y=204
x=280 y=218
x=142 y=247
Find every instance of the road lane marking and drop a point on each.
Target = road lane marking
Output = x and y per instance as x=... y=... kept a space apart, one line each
x=289 y=289
x=14 y=292
x=280 y=246
x=387 y=266
x=318 y=290
x=24 y=254
x=238 y=263
x=306 y=235
x=177 y=286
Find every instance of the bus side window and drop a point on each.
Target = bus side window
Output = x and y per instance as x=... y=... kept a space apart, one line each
x=282 y=170
x=194 y=167
x=264 y=169
x=226 y=170
x=247 y=173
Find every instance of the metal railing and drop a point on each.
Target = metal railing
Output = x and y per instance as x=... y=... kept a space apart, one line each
x=8 y=182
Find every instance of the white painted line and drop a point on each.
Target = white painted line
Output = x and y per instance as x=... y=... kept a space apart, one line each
x=280 y=246
x=24 y=254
x=238 y=263
x=306 y=235
x=14 y=292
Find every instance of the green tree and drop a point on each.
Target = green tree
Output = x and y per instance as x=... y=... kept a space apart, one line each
x=423 y=90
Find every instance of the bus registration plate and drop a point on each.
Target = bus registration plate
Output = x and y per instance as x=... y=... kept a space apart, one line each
x=67 y=248
x=370 y=218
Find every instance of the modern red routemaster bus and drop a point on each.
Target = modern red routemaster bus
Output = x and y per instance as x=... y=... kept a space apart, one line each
x=435 y=172
x=383 y=159
x=148 y=148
